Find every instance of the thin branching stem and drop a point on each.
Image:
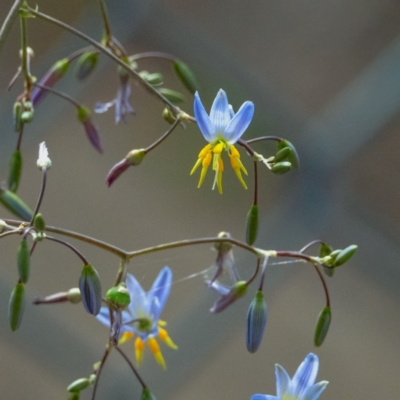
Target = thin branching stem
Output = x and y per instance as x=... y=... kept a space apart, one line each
x=41 y=194
x=59 y=94
x=66 y=244
x=153 y=54
x=8 y=22
x=98 y=371
x=262 y=138
x=132 y=367
x=255 y=201
x=163 y=137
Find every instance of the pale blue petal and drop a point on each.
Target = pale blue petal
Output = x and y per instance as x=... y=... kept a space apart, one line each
x=203 y=120
x=162 y=286
x=263 y=397
x=231 y=112
x=139 y=303
x=282 y=380
x=305 y=375
x=313 y=392
x=104 y=316
x=220 y=115
x=239 y=123
x=218 y=287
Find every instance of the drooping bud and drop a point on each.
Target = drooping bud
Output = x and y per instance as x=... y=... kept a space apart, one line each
x=186 y=76
x=17 y=116
x=43 y=162
x=252 y=225
x=15 y=170
x=168 y=115
x=293 y=157
x=86 y=64
x=24 y=259
x=39 y=223
x=55 y=73
x=256 y=321
x=78 y=385
x=322 y=327
x=238 y=290
x=345 y=255
x=147 y=395
x=14 y=204
x=324 y=251
x=134 y=158
x=90 y=129
x=282 y=154
x=281 y=167
x=119 y=295
x=172 y=95
x=16 y=306
x=90 y=288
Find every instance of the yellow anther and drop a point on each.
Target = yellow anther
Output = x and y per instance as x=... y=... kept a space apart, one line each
x=234 y=152
x=239 y=176
x=139 y=347
x=218 y=149
x=125 y=337
x=219 y=181
x=163 y=335
x=204 y=151
x=197 y=165
x=220 y=165
x=162 y=322
x=207 y=160
x=155 y=349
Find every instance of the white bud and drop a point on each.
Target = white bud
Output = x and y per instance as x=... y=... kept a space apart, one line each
x=43 y=161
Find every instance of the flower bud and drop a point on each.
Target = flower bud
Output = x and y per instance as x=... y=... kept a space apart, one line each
x=325 y=250
x=321 y=330
x=86 y=64
x=23 y=261
x=78 y=385
x=43 y=162
x=16 y=306
x=281 y=167
x=172 y=95
x=252 y=225
x=90 y=129
x=147 y=395
x=92 y=378
x=119 y=295
x=154 y=79
x=15 y=170
x=17 y=116
x=345 y=255
x=39 y=223
x=238 y=290
x=256 y=321
x=168 y=115
x=14 y=204
x=282 y=154
x=293 y=157
x=186 y=76
x=223 y=247
x=90 y=287
x=27 y=116
x=74 y=295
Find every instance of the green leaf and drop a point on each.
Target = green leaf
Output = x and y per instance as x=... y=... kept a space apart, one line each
x=186 y=76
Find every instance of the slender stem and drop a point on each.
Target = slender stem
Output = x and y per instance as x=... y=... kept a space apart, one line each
x=255 y=183
x=98 y=372
x=14 y=78
x=108 y=53
x=310 y=244
x=74 y=249
x=8 y=233
x=24 y=49
x=40 y=199
x=106 y=22
x=121 y=272
x=254 y=274
x=163 y=137
x=153 y=54
x=20 y=133
x=246 y=146
x=264 y=267
x=328 y=301
x=139 y=378
x=59 y=94
x=259 y=139
x=8 y=22
x=33 y=248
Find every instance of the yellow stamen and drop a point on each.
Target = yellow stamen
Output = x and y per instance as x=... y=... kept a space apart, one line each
x=218 y=148
x=204 y=151
x=206 y=163
x=163 y=335
x=139 y=347
x=219 y=174
x=125 y=337
x=237 y=165
x=155 y=349
x=197 y=165
x=162 y=322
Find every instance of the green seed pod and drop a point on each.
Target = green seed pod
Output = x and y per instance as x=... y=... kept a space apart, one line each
x=16 y=306
x=74 y=295
x=321 y=330
x=14 y=204
x=186 y=76
x=252 y=225
x=39 y=223
x=147 y=395
x=154 y=79
x=281 y=167
x=15 y=170
x=256 y=322
x=283 y=154
x=86 y=65
x=24 y=260
x=78 y=385
x=345 y=255
x=17 y=116
x=90 y=287
x=119 y=295
x=293 y=158
x=172 y=95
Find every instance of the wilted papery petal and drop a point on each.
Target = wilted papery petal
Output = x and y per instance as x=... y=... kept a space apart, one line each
x=90 y=129
x=43 y=161
x=238 y=290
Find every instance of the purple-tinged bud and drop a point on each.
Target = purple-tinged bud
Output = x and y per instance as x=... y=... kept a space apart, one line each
x=86 y=65
x=78 y=385
x=24 y=260
x=90 y=129
x=90 y=287
x=238 y=290
x=256 y=321
x=52 y=76
x=134 y=157
x=16 y=306
x=147 y=395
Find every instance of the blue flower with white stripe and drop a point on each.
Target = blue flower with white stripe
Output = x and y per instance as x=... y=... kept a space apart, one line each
x=221 y=129
x=301 y=386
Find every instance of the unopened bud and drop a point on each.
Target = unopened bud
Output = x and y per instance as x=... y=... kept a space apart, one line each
x=74 y=295
x=86 y=64
x=78 y=385
x=168 y=115
x=17 y=116
x=154 y=79
x=282 y=154
x=90 y=129
x=223 y=247
x=172 y=95
x=256 y=321
x=15 y=170
x=281 y=167
x=16 y=306
x=293 y=157
x=39 y=223
x=92 y=378
x=90 y=287
x=23 y=261
x=15 y=204
x=238 y=290
x=252 y=225
x=119 y=295
x=186 y=76
x=345 y=255
x=323 y=322
x=147 y=395
x=27 y=113
x=43 y=162
x=135 y=157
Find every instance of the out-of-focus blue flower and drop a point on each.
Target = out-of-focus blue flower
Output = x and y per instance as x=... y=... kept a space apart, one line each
x=121 y=102
x=221 y=129
x=142 y=316
x=301 y=386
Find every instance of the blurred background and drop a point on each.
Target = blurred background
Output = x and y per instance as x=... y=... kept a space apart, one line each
x=324 y=75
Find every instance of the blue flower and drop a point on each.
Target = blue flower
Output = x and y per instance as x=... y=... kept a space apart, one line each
x=222 y=129
x=301 y=387
x=142 y=316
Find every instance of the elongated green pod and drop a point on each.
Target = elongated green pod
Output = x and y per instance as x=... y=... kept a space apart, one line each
x=15 y=170
x=345 y=255
x=252 y=225
x=322 y=327
x=172 y=95
x=16 y=306
x=24 y=260
x=186 y=76
x=78 y=385
x=15 y=204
